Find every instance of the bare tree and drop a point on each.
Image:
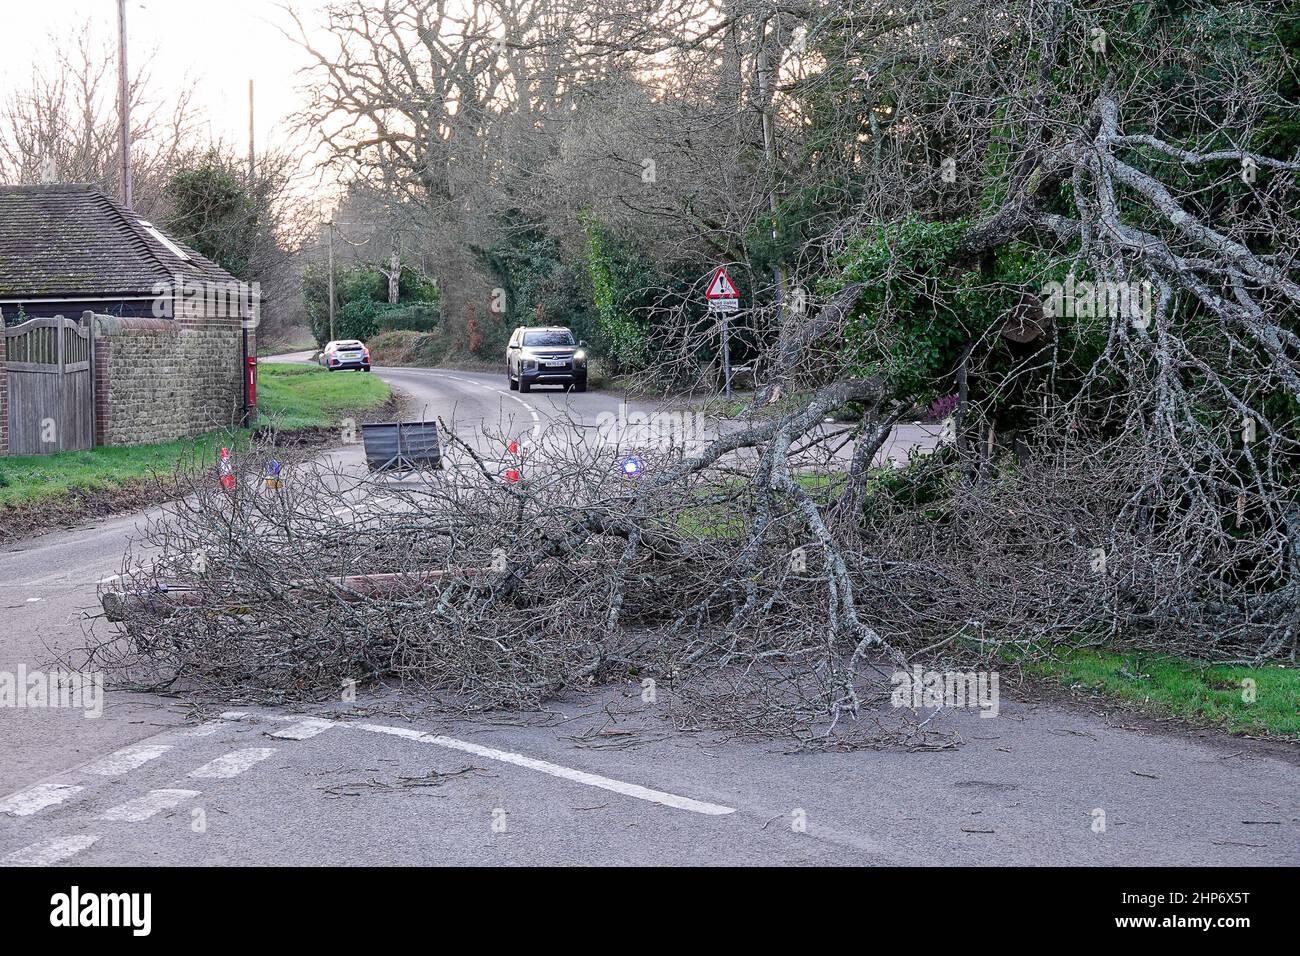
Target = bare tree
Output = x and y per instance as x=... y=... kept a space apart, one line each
x=62 y=125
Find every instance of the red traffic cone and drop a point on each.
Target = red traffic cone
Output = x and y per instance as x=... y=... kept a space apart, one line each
x=225 y=471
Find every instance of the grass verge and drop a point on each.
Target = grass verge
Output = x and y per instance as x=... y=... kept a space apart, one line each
x=290 y=397
x=1163 y=685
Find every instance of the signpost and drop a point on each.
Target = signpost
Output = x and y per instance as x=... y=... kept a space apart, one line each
x=722 y=294
x=724 y=299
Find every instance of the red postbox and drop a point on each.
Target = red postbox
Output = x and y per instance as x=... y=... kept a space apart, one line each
x=252 y=381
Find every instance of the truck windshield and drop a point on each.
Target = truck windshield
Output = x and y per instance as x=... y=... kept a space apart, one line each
x=563 y=337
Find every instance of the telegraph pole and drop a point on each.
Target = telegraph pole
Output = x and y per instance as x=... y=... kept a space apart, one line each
x=252 y=168
x=247 y=368
x=331 y=243
x=123 y=105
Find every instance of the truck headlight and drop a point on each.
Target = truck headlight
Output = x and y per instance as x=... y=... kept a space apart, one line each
x=580 y=357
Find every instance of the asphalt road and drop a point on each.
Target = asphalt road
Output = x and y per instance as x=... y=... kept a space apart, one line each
x=480 y=405
x=599 y=778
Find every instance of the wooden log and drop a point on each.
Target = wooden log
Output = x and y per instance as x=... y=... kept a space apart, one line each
x=117 y=604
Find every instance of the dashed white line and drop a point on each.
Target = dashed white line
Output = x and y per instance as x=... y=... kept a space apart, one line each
x=57 y=575
x=140 y=569
x=554 y=770
x=142 y=808
x=34 y=799
x=303 y=729
x=233 y=763
x=361 y=510
x=203 y=730
x=127 y=759
x=49 y=851
x=537 y=419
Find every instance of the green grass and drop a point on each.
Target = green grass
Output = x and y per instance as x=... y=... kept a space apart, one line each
x=1188 y=689
x=288 y=396
x=307 y=396
x=722 y=519
x=741 y=406
x=29 y=478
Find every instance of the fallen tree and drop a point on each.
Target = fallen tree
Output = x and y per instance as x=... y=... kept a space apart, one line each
x=1050 y=224
x=501 y=592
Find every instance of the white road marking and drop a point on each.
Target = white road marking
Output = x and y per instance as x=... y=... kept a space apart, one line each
x=74 y=575
x=554 y=770
x=57 y=575
x=140 y=569
x=233 y=763
x=205 y=729
x=129 y=758
x=49 y=851
x=303 y=729
x=34 y=799
x=537 y=419
x=142 y=808
x=360 y=511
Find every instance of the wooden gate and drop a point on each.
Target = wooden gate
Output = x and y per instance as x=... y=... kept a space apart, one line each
x=51 y=386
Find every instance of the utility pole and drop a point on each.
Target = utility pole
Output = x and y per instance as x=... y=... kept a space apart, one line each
x=252 y=168
x=247 y=369
x=395 y=269
x=123 y=105
x=332 y=226
x=331 y=257
x=395 y=250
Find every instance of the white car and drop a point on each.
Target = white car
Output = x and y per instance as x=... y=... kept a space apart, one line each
x=346 y=353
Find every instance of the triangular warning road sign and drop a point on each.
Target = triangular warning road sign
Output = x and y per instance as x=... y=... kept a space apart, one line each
x=721 y=287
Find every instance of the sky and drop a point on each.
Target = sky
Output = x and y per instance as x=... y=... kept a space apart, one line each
x=218 y=44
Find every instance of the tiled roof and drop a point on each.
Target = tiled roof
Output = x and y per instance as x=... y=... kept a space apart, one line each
x=65 y=240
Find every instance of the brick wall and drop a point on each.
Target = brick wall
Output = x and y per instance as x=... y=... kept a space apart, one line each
x=4 y=391
x=158 y=379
